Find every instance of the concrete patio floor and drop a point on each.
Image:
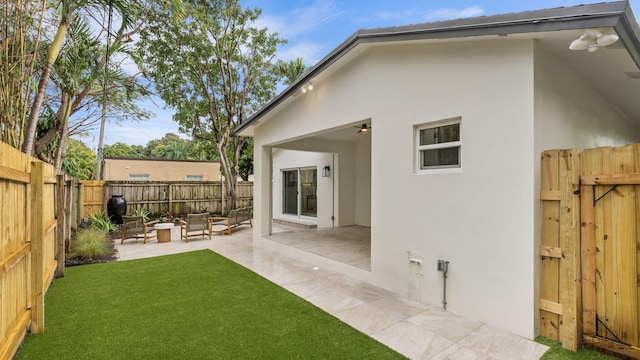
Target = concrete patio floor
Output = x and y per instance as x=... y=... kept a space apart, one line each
x=414 y=330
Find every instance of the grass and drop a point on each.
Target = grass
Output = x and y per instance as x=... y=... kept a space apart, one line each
x=195 y=305
x=90 y=243
x=556 y=352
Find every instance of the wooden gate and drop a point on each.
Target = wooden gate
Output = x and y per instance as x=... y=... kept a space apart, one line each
x=92 y=196
x=610 y=209
x=590 y=269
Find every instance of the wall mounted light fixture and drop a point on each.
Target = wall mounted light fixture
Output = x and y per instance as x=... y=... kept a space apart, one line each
x=593 y=39
x=326 y=171
x=307 y=87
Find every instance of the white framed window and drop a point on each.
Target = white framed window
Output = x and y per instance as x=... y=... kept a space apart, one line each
x=438 y=145
x=139 y=177
x=194 y=178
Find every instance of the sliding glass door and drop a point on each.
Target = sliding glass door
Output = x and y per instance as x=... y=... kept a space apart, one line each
x=299 y=196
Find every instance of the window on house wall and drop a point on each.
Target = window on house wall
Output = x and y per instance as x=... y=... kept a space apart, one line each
x=139 y=177
x=438 y=145
x=194 y=177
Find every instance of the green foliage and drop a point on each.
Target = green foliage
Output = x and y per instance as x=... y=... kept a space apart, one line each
x=170 y=147
x=245 y=162
x=99 y=220
x=21 y=23
x=80 y=161
x=141 y=212
x=90 y=244
x=556 y=352
x=215 y=70
x=121 y=150
x=167 y=216
x=290 y=71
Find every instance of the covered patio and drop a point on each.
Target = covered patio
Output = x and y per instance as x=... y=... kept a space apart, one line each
x=350 y=245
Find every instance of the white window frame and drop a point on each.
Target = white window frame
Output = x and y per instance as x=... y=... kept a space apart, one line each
x=194 y=177
x=139 y=177
x=419 y=169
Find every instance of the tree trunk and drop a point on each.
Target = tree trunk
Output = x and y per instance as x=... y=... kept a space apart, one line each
x=32 y=121
x=62 y=143
x=50 y=135
x=227 y=171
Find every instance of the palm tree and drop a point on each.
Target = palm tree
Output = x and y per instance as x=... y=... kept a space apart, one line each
x=290 y=71
x=68 y=8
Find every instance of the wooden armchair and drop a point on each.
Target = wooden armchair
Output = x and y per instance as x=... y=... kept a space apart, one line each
x=134 y=227
x=195 y=222
x=237 y=217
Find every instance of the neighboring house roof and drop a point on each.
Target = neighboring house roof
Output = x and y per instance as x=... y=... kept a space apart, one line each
x=151 y=159
x=528 y=24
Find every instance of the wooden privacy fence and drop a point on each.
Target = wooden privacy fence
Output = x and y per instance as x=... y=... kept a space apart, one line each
x=92 y=196
x=31 y=238
x=159 y=197
x=590 y=268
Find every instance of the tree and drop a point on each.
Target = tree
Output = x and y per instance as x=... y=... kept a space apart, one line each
x=67 y=10
x=214 y=68
x=291 y=70
x=79 y=84
x=122 y=150
x=19 y=38
x=246 y=160
x=80 y=161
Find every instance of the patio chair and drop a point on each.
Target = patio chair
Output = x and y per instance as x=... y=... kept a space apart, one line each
x=134 y=227
x=195 y=222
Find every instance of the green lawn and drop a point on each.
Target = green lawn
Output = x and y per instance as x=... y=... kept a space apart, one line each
x=556 y=352
x=195 y=305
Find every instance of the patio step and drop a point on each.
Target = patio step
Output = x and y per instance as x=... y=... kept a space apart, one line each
x=294 y=224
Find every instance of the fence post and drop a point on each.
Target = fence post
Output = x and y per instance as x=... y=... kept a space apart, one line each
x=61 y=218
x=80 y=202
x=570 y=275
x=170 y=190
x=37 y=251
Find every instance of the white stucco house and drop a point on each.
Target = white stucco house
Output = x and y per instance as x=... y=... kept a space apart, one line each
x=458 y=113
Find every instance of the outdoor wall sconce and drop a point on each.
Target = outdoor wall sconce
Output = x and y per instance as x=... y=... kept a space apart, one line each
x=326 y=171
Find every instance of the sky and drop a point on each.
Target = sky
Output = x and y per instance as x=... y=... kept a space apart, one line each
x=313 y=28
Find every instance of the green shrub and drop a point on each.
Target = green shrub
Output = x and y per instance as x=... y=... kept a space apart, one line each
x=141 y=212
x=89 y=244
x=100 y=220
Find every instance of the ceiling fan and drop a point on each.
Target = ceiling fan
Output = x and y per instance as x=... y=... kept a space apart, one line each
x=363 y=128
x=592 y=39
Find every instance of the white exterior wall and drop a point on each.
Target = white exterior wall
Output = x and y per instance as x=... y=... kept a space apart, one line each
x=570 y=113
x=481 y=218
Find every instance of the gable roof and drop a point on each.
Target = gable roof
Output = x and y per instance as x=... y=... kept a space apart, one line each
x=617 y=15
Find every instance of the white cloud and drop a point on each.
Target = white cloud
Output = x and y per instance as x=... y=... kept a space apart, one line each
x=409 y=16
x=449 y=14
x=310 y=53
x=302 y=20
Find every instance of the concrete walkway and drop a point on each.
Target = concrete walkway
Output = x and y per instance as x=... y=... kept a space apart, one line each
x=414 y=330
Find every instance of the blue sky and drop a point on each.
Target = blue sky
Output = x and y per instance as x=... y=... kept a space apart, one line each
x=315 y=27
